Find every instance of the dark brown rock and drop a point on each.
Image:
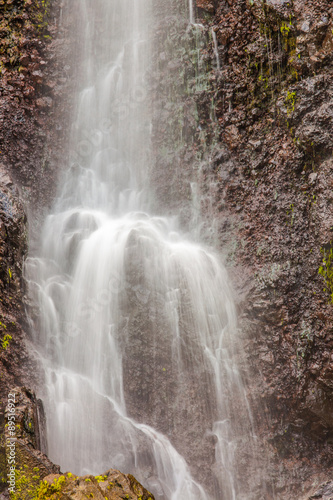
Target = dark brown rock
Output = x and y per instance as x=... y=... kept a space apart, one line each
x=266 y=185
x=206 y=5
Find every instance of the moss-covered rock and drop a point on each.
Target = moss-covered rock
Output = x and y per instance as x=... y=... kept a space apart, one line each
x=112 y=485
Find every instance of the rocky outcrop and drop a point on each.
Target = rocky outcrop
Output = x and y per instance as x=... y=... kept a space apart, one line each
x=112 y=485
x=22 y=442
x=272 y=172
x=259 y=171
x=33 y=79
x=35 y=91
x=13 y=234
x=324 y=492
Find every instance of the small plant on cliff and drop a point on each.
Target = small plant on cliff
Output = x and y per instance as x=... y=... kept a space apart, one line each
x=101 y=478
x=40 y=11
x=326 y=271
x=46 y=490
x=5 y=341
x=291 y=213
x=285 y=28
x=291 y=101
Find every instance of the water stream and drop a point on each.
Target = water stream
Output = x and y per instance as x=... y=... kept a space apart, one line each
x=113 y=280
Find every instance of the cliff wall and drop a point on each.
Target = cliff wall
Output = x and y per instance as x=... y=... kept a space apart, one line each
x=243 y=134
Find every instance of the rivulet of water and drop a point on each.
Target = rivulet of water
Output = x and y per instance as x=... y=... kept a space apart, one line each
x=104 y=261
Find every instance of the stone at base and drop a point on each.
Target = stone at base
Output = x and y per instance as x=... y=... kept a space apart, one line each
x=112 y=485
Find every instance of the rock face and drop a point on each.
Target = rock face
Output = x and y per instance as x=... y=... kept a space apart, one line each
x=261 y=168
x=272 y=171
x=35 y=80
x=23 y=442
x=324 y=492
x=112 y=485
x=13 y=232
x=246 y=129
x=32 y=81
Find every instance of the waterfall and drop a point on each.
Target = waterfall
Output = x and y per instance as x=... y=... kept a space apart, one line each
x=191 y=9
x=216 y=50
x=137 y=325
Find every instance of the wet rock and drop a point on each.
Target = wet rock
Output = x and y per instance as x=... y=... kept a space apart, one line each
x=12 y=251
x=112 y=485
x=44 y=102
x=25 y=440
x=37 y=76
x=278 y=72
x=313 y=177
x=324 y=492
x=270 y=9
x=26 y=417
x=232 y=136
x=275 y=218
x=255 y=144
x=27 y=173
x=316 y=127
x=206 y=5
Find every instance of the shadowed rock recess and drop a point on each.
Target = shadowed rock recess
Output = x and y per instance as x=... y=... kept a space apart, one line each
x=242 y=139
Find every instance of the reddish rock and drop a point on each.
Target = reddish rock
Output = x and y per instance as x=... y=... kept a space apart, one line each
x=207 y=5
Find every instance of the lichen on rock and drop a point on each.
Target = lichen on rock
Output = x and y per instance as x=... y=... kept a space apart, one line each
x=112 y=485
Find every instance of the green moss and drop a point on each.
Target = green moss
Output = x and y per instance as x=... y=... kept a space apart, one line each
x=20 y=18
x=26 y=485
x=40 y=13
x=326 y=271
x=46 y=491
x=291 y=101
x=271 y=59
x=100 y=479
x=5 y=341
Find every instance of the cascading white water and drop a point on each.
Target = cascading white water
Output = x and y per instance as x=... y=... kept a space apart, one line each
x=216 y=50
x=191 y=9
x=103 y=257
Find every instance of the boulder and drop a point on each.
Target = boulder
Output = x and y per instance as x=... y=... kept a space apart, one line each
x=112 y=485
